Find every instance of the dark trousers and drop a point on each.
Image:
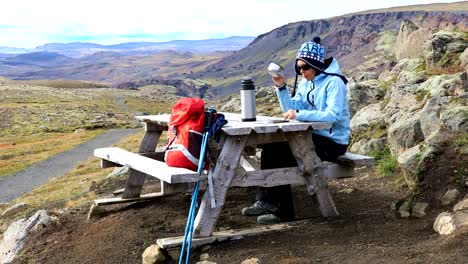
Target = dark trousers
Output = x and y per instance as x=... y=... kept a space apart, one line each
x=279 y=155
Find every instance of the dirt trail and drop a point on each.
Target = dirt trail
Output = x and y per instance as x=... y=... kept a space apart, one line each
x=26 y=180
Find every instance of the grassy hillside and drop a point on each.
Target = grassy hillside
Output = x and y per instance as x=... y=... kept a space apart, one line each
x=41 y=118
x=448 y=7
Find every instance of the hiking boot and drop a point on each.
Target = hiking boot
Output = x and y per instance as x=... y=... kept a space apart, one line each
x=267 y=219
x=259 y=208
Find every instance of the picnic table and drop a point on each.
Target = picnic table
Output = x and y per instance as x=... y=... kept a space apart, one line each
x=233 y=166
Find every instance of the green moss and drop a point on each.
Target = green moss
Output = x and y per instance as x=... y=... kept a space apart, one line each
x=386 y=84
x=461 y=144
x=386 y=163
x=421 y=94
x=422 y=67
x=375 y=130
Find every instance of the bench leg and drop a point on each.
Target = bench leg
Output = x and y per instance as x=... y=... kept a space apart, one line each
x=303 y=150
x=136 y=179
x=222 y=176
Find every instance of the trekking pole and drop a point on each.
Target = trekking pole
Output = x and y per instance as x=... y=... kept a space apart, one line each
x=211 y=117
x=191 y=217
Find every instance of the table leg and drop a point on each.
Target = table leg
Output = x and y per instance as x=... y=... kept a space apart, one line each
x=303 y=150
x=136 y=179
x=222 y=175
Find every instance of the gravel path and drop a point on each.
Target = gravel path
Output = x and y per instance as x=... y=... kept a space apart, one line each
x=38 y=174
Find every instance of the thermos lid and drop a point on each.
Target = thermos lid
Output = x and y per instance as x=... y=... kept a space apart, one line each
x=247 y=84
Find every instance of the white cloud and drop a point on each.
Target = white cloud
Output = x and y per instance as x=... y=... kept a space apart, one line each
x=29 y=23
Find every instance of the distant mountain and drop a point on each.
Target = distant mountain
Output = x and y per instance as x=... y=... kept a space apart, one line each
x=10 y=50
x=81 y=49
x=40 y=58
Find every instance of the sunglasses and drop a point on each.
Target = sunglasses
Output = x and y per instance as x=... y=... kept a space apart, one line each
x=304 y=67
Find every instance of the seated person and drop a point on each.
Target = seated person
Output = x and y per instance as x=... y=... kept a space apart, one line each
x=321 y=96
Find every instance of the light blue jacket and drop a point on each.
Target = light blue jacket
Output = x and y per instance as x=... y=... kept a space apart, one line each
x=330 y=103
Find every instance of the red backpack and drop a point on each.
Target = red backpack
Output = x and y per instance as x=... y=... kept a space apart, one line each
x=185 y=133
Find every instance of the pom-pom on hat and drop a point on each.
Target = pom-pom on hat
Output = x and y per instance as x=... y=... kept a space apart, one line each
x=312 y=53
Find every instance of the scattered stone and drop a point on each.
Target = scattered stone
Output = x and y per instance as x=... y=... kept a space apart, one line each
x=404 y=210
x=153 y=255
x=419 y=210
x=251 y=261
x=449 y=197
x=14 y=209
x=79 y=130
x=206 y=262
x=462 y=205
x=17 y=234
x=204 y=256
x=348 y=190
x=447 y=223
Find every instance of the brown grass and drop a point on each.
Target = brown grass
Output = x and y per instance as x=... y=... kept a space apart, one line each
x=17 y=153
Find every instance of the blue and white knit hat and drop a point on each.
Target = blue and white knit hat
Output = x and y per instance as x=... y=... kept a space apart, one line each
x=313 y=53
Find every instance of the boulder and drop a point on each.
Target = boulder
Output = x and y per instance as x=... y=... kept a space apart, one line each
x=365 y=76
x=447 y=223
x=366 y=116
x=409 y=72
x=419 y=210
x=410 y=40
x=464 y=60
x=462 y=205
x=455 y=119
x=362 y=94
x=153 y=255
x=445 y=85
x=404 y=134
x=365 y=146
x=449 y=197
x=409 y=163
x=429 y=115
x=444 y=48
x=17 y=233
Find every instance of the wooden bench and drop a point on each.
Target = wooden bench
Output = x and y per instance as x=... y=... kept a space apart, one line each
x=176 y=180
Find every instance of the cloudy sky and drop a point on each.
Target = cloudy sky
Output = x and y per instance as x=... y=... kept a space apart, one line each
x=30 y=23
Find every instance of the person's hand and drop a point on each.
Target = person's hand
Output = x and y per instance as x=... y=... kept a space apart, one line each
x=279 y=81
x=290 y=114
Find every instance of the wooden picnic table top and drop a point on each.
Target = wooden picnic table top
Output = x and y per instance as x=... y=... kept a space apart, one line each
x=236 y=127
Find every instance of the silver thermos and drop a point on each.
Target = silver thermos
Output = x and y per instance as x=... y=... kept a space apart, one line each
x=248 y=111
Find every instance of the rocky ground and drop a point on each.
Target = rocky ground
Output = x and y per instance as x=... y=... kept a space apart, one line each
x=369 y=230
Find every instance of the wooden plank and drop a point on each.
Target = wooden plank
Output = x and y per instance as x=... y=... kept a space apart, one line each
x=303 y=150
x=336 y=171
x=152 y=127
x=355 y=160
x=116 y=200
x=172 y=242
x=248 y=164
x=167 y=188
x=159 y=155
x=269 y=178
x=235 y=126
x=108 y=164
x=223 y=173
x=146 y=165
x=136 y=179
